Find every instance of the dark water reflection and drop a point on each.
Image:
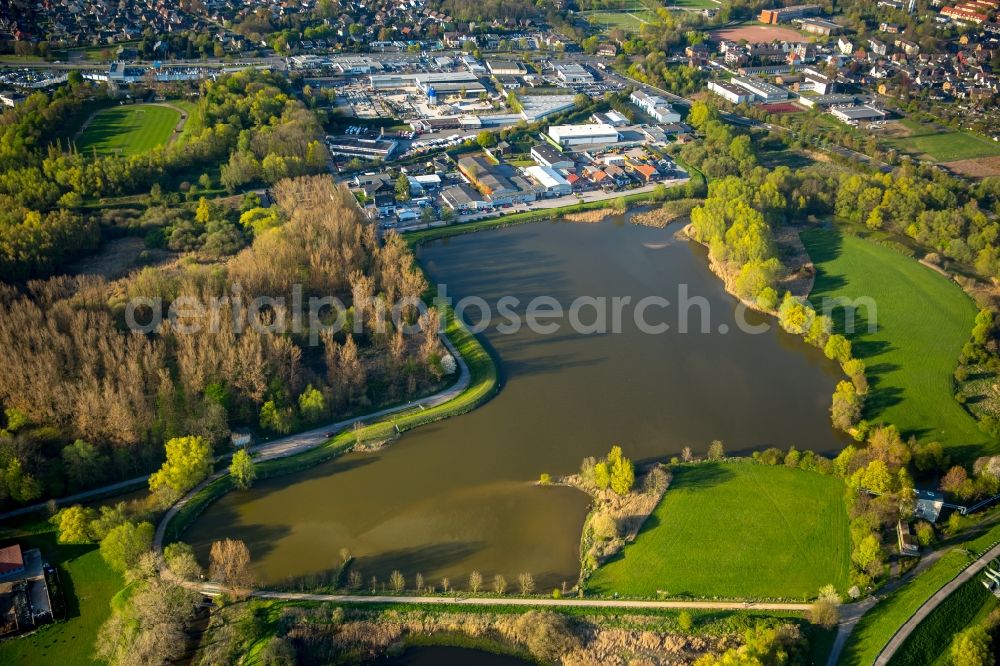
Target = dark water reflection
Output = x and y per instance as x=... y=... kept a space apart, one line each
x=456 y=496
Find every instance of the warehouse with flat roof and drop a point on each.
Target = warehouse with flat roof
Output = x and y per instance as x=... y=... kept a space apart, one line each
x=762 y=89
x=729 y=92
x=582 y=135
x=550 y=179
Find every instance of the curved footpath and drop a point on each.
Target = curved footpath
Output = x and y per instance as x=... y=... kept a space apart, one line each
x=935 y=600
x=310 y=439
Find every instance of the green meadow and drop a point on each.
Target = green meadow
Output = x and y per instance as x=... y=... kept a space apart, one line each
x=737 y=530
x=910 y=341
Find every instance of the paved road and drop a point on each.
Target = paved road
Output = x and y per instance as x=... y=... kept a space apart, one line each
x=303 y=441
x=921 y=613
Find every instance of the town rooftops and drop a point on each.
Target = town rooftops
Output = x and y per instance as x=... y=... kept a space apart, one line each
x=11 y=560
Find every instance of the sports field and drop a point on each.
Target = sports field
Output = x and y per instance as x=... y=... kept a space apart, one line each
x=128 y=130
x=948 y=146
x=759 y=34
x=629 y=20
x=737 y=530
x=922 y=320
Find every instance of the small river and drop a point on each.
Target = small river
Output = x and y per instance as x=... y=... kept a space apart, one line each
x=459 y=495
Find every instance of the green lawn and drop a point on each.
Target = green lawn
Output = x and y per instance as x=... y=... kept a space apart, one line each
x=89 y=586
x=922 y=321
x=194 y=123
x=737 y=530
x=948 y=146
x=881 y=622
x=629 y=20
x=694 y=4
x=128 y=130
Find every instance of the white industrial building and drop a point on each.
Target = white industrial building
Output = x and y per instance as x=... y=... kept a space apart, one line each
x=767 y=92
x=505 y=68
x=656 y=107
x=572 y=72
x=548 y=156
x=422 y=80
x=729 y=92
x=554 y=183
x=582 y=135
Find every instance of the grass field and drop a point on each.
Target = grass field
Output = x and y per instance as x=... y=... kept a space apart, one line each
x=629 y=20
x=89 y=585
x=948 y=146
x=694 y=4
x=923 y=319
x=738 y=530
x=128 y=130
x=880 y=623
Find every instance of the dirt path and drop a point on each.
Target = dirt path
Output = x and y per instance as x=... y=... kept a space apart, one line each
x=211 y=589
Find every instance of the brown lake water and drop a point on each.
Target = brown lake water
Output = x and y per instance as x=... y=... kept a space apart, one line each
x=459 y=495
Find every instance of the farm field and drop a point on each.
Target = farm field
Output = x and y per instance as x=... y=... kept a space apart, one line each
x=879 y=624
x=629 y=20
x=737 y=530
x=89 y=586
x=923 y=320
x=128 y=130
x=979 y=167
x=948 y=146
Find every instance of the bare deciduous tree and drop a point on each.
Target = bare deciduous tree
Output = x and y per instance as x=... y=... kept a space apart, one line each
x=230 y=565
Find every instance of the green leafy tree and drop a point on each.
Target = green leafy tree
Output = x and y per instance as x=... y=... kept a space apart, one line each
x=868 y=554
x=123 y=545
x=274 y=418
x=602 y=475
x=242 y=469
x=189 y=461
x=622 y=471
x=108 y=518
x=20 y=485
x=972 y=647
x=83 y=464
x=312 y=404
x=73 y=524
x=402 y=188
x=838 y=348
x=486 y=139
